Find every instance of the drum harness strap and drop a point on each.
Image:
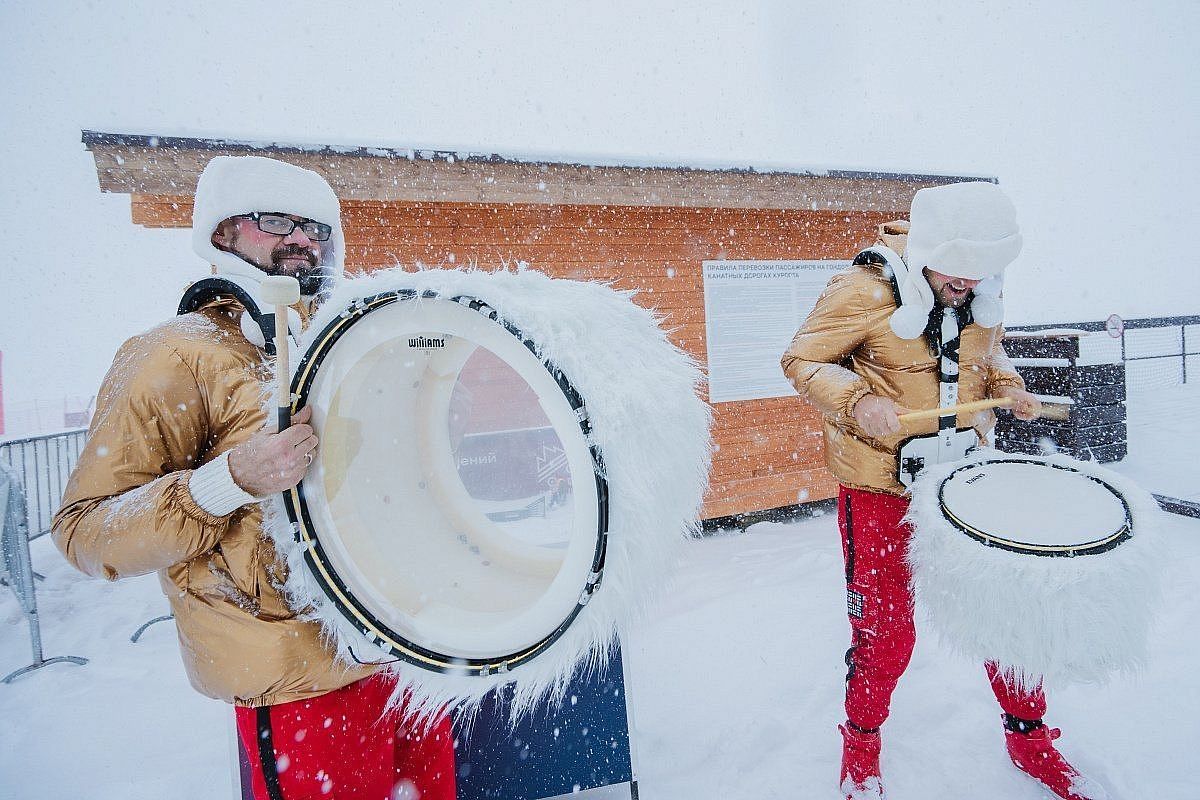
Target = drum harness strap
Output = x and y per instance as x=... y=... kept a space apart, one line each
x=204 y=291
x=943 y=334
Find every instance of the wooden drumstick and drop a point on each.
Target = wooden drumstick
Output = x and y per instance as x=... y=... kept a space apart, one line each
x=1053 y=411
x=282 y=291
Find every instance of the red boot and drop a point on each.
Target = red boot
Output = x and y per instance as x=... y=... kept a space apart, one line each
x=860 y=764
x=1031 y=747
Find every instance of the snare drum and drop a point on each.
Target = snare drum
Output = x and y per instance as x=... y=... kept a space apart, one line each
x=1044 y=565
x=1018 y=504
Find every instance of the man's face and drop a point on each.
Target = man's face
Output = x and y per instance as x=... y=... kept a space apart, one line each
x=294 y=254
x=951 y=292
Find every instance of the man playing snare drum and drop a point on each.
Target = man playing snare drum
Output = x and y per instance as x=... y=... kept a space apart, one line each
x=177 y=460
x=915 y=323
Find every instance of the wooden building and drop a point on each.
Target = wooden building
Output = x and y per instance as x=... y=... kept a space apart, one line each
x=641 y=227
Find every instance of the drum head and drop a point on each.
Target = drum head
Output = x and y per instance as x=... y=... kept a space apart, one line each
x=455 y=513
x=1034 y=507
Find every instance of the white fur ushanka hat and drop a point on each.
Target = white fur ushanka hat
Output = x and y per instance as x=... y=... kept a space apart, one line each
x=966 y=230
x=232 y=185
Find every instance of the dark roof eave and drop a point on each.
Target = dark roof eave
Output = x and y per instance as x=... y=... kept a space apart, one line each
x=94 y=139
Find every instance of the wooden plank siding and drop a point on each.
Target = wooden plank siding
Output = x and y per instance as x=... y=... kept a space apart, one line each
x=769 y=452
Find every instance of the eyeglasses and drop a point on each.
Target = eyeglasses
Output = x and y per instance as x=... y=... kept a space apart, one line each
x=280 y=225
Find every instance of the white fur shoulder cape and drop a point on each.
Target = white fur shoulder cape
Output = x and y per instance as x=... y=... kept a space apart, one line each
x=648 y=423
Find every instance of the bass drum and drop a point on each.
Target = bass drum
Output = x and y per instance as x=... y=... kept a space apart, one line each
x=455 y=513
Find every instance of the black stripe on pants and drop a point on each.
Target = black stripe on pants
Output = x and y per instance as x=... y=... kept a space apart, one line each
x=849 y=543
x=266 y=754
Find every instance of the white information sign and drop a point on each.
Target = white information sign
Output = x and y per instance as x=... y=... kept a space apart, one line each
x=752 y=309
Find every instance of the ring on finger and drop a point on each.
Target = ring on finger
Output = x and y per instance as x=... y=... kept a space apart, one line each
x=308 y=459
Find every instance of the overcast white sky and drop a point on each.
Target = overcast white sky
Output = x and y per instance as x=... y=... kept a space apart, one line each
x=1087 y=112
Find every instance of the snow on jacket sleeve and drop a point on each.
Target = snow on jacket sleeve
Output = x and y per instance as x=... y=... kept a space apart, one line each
x=127 y=509
x=813 y=362
x=1001 y=374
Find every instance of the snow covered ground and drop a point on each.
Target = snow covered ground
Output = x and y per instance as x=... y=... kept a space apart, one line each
x=768 y=608
x=735 y=679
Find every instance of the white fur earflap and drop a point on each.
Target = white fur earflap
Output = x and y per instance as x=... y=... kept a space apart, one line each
x=1068 y=619
x=648 y=422
x=908 y=321
x=987 y=305
x=252 y=285
x=254 y=334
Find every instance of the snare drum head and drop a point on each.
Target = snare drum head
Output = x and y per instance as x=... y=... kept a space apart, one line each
x=1035 y=507
x=453 y=512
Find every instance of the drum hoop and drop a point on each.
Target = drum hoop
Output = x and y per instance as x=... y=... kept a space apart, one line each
x=314 y=552
x=1094 y=547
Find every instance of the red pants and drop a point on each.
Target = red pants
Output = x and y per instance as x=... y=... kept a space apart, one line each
x=340 y=746
x=880 y=605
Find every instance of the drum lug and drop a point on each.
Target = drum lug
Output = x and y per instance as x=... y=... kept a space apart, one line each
x=356 y=308
x=593 y=583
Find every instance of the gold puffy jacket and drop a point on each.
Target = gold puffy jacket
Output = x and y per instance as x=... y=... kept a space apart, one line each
x=176 y=397
x=846 y=350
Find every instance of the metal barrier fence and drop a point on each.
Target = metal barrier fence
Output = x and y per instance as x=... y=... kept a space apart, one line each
x=1150 y=339
x=43 y=464
x=16 y=568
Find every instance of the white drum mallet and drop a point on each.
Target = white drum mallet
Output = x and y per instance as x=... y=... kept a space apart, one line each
x=282 y=291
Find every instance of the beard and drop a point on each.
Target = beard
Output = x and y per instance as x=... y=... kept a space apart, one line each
x=944 y=295
x=283 y=260
x=950 y=300
x=311 y=277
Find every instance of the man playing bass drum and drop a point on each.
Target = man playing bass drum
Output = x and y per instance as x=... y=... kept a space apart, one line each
x=178 y=457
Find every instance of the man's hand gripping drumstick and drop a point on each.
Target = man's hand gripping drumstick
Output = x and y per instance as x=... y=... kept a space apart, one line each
x=879 y=416
x=274 y=461
x=1024 y=406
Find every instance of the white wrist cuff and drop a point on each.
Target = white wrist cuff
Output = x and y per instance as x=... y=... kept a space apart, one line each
x=213 y=488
